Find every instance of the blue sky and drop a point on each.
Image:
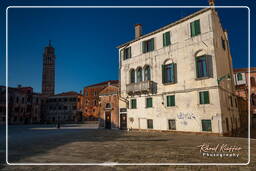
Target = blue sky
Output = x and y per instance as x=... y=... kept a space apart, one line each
x=85 y=40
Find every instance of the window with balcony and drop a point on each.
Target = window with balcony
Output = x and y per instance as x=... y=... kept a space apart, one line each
x=203 y=66
x=147 y=73
x=139 y=74
x=169 y=72
x=204 y=97
x=170 y=100
x=148 y=45
x=195 y=28
x=166 y=39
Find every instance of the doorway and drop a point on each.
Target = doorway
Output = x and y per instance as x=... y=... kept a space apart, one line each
x=123 y=121
x=108 y=120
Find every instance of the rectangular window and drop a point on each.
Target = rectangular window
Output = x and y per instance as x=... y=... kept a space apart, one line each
x=133 y=104
x=150 y=123
x=204 y=97
x=166 y=39
x=149 y=102
x=239 y=76
x=127 y=53
x=169 y=73
x=206 y=125
x=148 y=45
x=172 y=124
x=195 y=28
x=170 y=100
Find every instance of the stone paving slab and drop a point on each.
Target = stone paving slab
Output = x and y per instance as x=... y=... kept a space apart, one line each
x=29 y=144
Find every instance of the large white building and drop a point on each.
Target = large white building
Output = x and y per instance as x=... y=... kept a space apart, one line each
x=179 y=77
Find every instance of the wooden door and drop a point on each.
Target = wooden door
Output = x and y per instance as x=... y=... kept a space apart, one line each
x=108 y=120
x=123 y=121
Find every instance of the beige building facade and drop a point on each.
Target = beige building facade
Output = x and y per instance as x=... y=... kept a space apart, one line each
x=178 y=77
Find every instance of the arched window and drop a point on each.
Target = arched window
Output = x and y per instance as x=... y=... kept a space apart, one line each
x=139 y=74
x=108 y=106
x=132 y=76
x=239 y=76
x=147 y=74
x=253 y=83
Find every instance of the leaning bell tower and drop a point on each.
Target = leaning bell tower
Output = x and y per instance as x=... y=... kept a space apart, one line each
x=48 y=79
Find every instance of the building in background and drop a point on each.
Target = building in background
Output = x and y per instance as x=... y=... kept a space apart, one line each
x=179 y=77
x=109 y=107
x=242 y=80
x=48 y=78
x=91 y=109
x=24 y=105
x=64 y=108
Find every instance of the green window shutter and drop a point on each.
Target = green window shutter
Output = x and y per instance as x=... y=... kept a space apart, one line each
x=206 y=125
x=149 y=102
x=209 y=66
x=239 y=77
x=201 y=96
x=129 y=52
x=175 y=73
x=168 y=42
x=168 y=100
x=197 y=75
x=133 y=103
x=164 y=40
x=152 y=44
x=197 y=27
x=144 y=46
x=163 y=74
x=172 y=100
x=192 y=29
x=206 y=97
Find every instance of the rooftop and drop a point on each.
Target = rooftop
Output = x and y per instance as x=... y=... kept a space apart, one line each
x=236 y=70
x=167 y=26
x=69 y=93
x=111 y=82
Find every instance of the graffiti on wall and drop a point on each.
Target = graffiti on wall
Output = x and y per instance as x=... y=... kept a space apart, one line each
x=185 y=117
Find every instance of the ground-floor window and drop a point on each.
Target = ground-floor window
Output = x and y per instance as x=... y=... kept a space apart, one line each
x=206 y=125
x=150 y=123
x=172 y=124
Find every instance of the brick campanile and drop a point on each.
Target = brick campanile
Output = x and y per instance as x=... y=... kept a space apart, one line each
x=48 y=82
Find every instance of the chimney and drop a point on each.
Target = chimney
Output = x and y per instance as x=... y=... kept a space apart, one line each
x=138 y=30
x=211 y=2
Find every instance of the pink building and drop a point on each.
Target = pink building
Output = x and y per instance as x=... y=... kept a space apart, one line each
x=243 y=82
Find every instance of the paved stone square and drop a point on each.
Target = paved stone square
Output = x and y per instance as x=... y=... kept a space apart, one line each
x=80 y=144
